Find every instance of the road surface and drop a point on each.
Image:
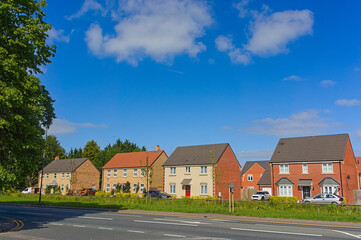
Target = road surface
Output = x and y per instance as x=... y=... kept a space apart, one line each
x=57 y=223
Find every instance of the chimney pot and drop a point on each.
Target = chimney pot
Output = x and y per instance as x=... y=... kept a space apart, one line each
x=56 y=157
x=157 y=148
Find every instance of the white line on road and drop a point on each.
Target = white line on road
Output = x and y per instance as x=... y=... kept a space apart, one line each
x=267 y=231
x=81 y=226
x=348 y=234
x=32 y=213
x=58 y=224
x=219 y=220
x=167 y=223
x=173 y=235
x=97 y=218
x=104 y=228
x=276 y=225
x=134 y=231
x=179 y=220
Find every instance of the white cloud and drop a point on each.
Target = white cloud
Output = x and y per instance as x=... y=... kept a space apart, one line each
x=327 y=83
x=159 y=29
x=298 y=124
x=57 y=35
x=237 y=56
x=63 y=126
x=256 y=154
x=269 y=33
x=292 y=78
x=347 y=102
x=272 y=33
x=86 y=7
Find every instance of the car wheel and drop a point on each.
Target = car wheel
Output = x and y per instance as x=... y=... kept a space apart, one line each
x=262 y=198
x=334 y=203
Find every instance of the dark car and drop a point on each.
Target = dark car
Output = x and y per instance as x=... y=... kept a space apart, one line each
x=157 y=194
x=87 y=192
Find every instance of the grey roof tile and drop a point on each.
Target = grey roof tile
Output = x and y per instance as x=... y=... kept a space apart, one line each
x=64 y=165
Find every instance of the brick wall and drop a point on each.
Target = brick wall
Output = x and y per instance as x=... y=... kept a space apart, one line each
x=85 y=176
x=157 y=178
x=256 y=171
x=349 y=173
x=228 y=170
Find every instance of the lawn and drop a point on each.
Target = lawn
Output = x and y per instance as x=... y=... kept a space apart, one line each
x=256 y=209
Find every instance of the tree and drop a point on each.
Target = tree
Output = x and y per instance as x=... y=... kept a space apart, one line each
x=147 y=172
x=53 y=149
x=76 y=153
x=91 y=150
x=25 y=105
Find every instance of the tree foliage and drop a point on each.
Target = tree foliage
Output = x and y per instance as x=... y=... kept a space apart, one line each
x=91 y=150
x=25 y=104
x=53 y=149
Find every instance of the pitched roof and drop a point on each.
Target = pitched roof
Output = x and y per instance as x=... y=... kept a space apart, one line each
x=196 y=155
x=265 y=180
x=64 y=165
x=264 y=164
x=133 y=159
x=358 y=162
x=311 y=149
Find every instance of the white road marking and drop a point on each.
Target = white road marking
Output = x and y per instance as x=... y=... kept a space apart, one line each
x=275 y=225
x=104 y=228
x=97 y=218
x=167 y=223
x=133 y=231
x=81 y=226
x=220 y=220
x=359 y=237
x=179 y=220
x=267 y=231
x=58 y=224
x=33 y=213
x=173 y=235
x=37 y=222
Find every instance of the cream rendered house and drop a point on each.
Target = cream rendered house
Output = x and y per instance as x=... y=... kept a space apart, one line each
x=203 y=170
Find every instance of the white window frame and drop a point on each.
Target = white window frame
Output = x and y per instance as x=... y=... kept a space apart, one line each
x=141 y=188
x=142 y=172
x=47 y=175
x=329 y=189
x=284 y=168
x=135 y=188
x=114 y=186
x=188 y=170
x=285 y=190
x=204 y=189
x=250 y=177
x=203 y=169
x=109 y=173
x=67 y=175
x=108 y=187
x=115 y=173
x=62 y=187
x=125 y=172
x=172 y=188
x=304 y=168
x=327 y=168
x=135 y=172
x=54 y=175
x=62 y=175
x=173 y=171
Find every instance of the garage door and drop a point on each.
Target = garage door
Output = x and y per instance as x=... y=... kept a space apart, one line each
x=267 y=189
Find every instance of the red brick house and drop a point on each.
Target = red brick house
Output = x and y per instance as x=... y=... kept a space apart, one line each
x=202 y=170
x=305 y=166
x=252 y=172
x=358 y=162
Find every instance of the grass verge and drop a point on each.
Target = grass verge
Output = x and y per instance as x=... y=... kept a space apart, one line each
x=254 y=209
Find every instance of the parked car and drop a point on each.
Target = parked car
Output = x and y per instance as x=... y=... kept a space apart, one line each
x=157 y=194
x=325 y=198
x=260 y=196
x=87 y=192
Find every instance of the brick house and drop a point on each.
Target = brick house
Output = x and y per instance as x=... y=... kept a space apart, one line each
x=130 y=167
x=71 y=174
x=306 y=166
x=252 y=172
x=358 y=162
x=203 y=170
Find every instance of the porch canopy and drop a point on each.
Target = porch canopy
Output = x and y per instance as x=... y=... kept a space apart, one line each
x=186 y=181
x=53 y=184
x=305 y=182
x=284 y=181
x=330 y=181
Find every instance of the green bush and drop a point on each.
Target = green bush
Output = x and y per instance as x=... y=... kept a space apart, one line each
x=102 y=194
x=48 y=190
x=276 y=199
x=57 y=190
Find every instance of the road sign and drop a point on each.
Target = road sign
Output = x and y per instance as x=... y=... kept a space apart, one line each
x=231 y=185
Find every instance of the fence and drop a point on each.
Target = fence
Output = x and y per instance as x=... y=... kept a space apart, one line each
x=246 y=194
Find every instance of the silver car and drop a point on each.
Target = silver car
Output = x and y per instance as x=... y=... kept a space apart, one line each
x=325 y=198
x=260 y=195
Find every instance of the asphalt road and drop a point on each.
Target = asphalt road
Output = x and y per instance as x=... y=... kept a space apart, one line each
x=56 y=223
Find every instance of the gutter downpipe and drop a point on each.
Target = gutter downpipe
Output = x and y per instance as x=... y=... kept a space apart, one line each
x=341 y=179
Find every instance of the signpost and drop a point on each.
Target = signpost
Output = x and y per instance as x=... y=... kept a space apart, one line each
x=231 y=198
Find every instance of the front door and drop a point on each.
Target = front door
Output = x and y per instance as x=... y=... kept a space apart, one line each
x=188 y=191
x=306 y=191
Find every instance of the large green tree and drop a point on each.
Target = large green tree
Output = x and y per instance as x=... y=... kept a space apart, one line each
x=53 y=149
x=25 y=105
x=91 y=150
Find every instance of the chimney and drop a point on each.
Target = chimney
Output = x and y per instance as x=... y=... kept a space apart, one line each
x=56 y=158
x=157 y=148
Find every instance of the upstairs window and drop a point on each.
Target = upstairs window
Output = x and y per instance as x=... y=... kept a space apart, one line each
x=142 y=172
x=108 y=175
x=62 y=175
x=47 y=175
x=115 y=173
x=327 y=168
x=188 y=170
x=125 y=171
x=54 y=175
x=203 y=169
x=250 y=177
x=304 y=168
x=172 y=171
x=284 y=168
x=135 y=172
x=67 y=175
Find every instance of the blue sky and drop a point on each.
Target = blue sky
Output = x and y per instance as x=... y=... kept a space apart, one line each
x=175 y=73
